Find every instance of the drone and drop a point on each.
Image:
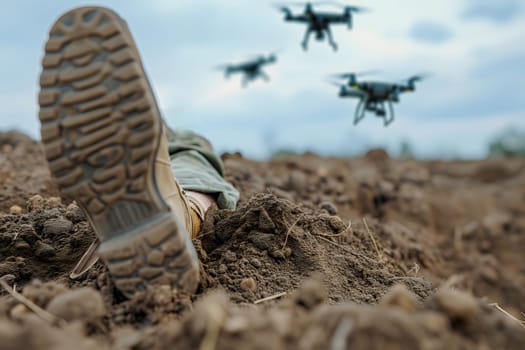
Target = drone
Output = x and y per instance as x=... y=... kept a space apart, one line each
x=373 y=95
x=319 y=22
x=252 y=69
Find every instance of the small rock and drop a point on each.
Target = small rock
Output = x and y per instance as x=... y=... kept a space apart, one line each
x=255 y=263
x=22 y=247
x=311 y=294
x=15 y=210
x=44 y=250
x=277 y=254
x=261 y=241
x=7 y=148
x=399 y=296
x=80 y=304
x=456 y=304
x=489 y=274
x=35 y=203
x=249 y=284
x=28 y=234
x=329 y=207
x=17 y=311
x=53 y=202
x=57 y=227
x=223 y=268
x=230 y=256
x=74 y=213
x=282 y=281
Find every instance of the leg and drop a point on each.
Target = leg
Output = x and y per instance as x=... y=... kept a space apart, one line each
x=360 y=110
x=103 y=138
x=198 y=168
x=391 y=110
x=330 y=38
x=306 y=38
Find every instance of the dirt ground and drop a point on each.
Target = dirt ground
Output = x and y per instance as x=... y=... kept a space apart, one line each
x=322 y=253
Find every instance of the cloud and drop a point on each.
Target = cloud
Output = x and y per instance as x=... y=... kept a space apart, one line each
x=499 y=11
x=430 y=32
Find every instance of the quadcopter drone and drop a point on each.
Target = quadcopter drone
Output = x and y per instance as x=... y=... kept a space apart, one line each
x=373 y=95
x=252 y=69
x=319 y=22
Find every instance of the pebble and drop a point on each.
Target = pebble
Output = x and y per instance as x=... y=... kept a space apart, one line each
x=74 y=213
x=44 y=250
x=57 y=227
x=15 y=210
x=255 y=263
x=79 y=304
x=457 y=304
x=329 y=207
x=399 y=296
x=230 y=256
x=53 y=202
x=223 y=268
x=35 y=203
x=28 y=234
x=248 y=284
x=311 y=294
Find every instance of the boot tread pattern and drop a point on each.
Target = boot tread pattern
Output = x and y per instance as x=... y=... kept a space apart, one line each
x=99 y=128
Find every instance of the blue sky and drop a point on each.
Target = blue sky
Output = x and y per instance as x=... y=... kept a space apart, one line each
x=474 y=48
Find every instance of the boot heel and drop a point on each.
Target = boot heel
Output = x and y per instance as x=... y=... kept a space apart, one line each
x=157 y=252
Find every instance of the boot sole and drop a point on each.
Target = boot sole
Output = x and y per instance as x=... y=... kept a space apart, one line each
x=101 y=127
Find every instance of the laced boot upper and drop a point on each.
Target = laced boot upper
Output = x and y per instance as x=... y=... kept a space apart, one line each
x=170 y=188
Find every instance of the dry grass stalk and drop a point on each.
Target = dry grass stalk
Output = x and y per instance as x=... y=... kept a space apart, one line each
x=341 y=333
x=453 y=281
x=506 y=313
x=271 y=297
x=216 y=319
x=379 y=255
x=289 y=231
x=43 y=314
x=414 y=269
x=347 y=250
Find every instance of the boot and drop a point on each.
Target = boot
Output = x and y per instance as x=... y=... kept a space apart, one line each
x=189 y=207
x=104 y=141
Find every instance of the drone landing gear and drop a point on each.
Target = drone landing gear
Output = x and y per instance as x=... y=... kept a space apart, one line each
x=388 y=121
x=304 y=43
x=388 y=118
x=331 y=41
x=360 y=110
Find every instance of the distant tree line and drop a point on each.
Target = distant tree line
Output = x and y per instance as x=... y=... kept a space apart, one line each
x=510 y=143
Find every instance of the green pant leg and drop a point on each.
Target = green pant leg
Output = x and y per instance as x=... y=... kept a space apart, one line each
x=198 y=168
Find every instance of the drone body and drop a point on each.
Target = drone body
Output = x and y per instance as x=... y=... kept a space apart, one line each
x=320 y=22
x=374 y=95
x=251 y=69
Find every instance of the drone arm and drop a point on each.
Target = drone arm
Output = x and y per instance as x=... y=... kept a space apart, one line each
x=350 y=22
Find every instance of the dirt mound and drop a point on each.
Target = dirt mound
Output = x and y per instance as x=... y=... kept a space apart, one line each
x=270 y=245
x=378 y=235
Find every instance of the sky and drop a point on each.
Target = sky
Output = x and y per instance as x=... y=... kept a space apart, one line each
x=474 y=49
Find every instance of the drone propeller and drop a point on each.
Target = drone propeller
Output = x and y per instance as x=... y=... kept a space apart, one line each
x=222 y=66
x=417 y=77
x=335 y=83
x=348 y=7
x=350 y=74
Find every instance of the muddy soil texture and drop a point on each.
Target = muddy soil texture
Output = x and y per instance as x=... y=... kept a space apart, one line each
x=322 y=253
